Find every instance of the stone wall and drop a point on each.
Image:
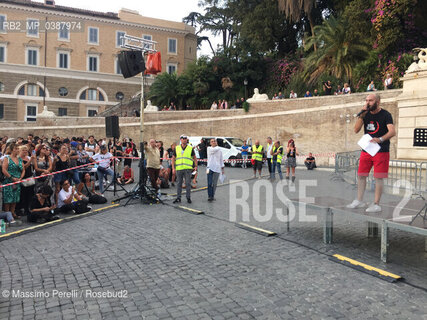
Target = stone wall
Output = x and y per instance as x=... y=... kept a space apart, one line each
x=316 y=127
x=412 y=105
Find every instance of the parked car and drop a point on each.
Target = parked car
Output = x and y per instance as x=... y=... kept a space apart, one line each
x=230 y=147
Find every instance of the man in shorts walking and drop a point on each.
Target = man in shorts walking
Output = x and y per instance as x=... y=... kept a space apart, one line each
x=378 y=123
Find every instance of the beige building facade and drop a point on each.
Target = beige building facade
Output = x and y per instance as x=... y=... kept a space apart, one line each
x=66 y=58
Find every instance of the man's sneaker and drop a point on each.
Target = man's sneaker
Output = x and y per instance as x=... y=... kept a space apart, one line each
x=356 y=204
x=90 y=208
x=177 y=200
x=373 y=208
x=188 y=200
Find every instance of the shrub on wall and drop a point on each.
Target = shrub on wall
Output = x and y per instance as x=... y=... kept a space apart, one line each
x=246 y=106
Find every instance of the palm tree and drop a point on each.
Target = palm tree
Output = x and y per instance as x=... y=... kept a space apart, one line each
x=335 y=53
x=192 y=19
x=164 y=89
x=294 y=9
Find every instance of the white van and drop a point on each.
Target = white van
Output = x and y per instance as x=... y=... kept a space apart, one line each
x=230 y=147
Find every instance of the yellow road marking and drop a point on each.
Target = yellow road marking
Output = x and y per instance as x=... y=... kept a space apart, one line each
x=190 y=209
x=368 y=267
x=30 y=228
x=257 y=229
x=55 y=221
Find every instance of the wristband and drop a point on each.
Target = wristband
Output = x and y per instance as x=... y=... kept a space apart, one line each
x=381 y=139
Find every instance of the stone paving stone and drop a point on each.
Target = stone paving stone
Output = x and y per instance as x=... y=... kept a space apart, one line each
x=177 y=265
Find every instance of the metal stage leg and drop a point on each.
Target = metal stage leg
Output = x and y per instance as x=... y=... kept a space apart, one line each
x=328 y=227
x=384 y=241
x=372 y=230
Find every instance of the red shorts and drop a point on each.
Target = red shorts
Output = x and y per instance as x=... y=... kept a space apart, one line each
x=380 y=162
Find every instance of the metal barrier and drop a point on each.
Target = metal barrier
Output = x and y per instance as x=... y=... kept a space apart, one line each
x=347 y=163
x=402 y=170
x=422 y=177
x=401 y=173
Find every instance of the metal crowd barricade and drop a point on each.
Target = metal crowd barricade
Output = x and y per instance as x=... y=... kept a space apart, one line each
x=422 y=178
x=411 y=175
x=402 y=174
x=403 y=171
x=347 y=163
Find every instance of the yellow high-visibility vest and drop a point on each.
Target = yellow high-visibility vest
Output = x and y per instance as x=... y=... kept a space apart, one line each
x=279 y=155
x=183 y=158
x=257 y=156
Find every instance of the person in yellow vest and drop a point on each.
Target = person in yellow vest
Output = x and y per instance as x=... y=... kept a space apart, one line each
x=183 y=160
x=276 y=160
x=257 y=153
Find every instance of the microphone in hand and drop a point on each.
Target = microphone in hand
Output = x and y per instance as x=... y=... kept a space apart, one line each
x=362 y=111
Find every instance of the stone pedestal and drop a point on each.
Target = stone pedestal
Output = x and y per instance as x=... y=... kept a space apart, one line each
x=412 y=107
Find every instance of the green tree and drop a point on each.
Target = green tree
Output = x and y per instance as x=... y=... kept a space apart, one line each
x=335 y=55
x=294 y=10
x=219 y=21
x=164 y=89
x=264 y=30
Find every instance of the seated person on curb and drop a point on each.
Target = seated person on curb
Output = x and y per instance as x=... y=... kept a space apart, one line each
x=41 y=206
x=310 y=162
x=163 y=180
x=103 y=158
x=86 y=189
x=127 y=176
x=8 y=218
x=69 y=200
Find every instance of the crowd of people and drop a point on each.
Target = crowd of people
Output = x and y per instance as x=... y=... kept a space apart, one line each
x=328 y=89
x=43 y=177
x=224 y=104
x=275 y=153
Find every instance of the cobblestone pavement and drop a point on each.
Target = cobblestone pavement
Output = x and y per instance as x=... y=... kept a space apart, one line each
x=165 y=263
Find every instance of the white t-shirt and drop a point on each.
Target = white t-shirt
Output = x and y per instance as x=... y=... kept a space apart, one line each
x=215 y=160
x=269 y=150
x=293 y=95
x=104 y=159
x=63 y=195
x=89 y=145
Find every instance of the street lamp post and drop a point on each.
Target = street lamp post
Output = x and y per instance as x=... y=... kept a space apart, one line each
x=245 y=82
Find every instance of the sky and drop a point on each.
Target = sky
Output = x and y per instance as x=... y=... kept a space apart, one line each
x=173 y=10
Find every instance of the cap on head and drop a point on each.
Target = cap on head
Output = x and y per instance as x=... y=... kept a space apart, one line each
x=183 y=136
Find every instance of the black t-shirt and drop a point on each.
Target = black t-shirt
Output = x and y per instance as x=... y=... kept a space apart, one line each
x=170 y=152
x=35 y=204
x=192 y=152
x=328 y=91
x=376 y=126
x=203 y=149
x=162 y=151
x=309 y=159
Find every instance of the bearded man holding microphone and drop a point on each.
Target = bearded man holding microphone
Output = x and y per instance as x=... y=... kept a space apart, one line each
x=378 y=123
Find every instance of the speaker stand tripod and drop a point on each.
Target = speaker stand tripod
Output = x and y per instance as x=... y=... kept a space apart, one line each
x=422 y=213
x=114 y=180
x=141 y=191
